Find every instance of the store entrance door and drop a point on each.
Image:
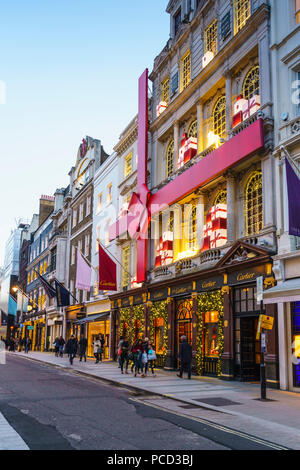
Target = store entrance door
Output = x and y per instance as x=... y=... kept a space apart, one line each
x=184 y=327
x=250 y=350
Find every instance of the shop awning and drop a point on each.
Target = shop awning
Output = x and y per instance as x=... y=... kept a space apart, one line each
x=287 y=291
x=92 y=318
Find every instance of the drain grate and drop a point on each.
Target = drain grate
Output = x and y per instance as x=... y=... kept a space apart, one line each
x=217 y=401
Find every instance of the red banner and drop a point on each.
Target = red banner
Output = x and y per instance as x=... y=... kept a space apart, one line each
x=107 y=272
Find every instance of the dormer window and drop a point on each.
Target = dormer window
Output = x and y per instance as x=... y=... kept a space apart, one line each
x=177 y=21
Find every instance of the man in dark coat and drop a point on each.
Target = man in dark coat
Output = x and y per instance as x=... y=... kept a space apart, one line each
x=185 y=356
x=71 y=348
x=82 y=348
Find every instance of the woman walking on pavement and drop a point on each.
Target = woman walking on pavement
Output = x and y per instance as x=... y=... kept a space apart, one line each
x=71 y=348
x=56 y=345
x=137 y=354
x=97 y=349
x=144 y=357
x=124 y=355
x=61 y=343
x=151 y=358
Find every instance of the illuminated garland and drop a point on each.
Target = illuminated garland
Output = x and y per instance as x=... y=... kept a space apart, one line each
x=129 y=317
x=159 y=310
x=207 y=302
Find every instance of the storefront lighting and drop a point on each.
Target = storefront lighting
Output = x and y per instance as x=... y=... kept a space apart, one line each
x=213 y=139
x=186 y=254
x=297 y=346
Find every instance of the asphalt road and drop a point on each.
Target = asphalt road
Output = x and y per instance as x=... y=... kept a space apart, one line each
x=55 y=409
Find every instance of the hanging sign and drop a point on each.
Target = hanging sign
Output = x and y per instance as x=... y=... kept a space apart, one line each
x=267 y=322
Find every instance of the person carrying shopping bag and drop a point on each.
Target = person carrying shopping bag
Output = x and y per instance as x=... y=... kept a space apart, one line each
x=97 y=349
x=151 y=359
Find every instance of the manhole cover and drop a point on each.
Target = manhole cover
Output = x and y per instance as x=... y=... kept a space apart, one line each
x=217 y=401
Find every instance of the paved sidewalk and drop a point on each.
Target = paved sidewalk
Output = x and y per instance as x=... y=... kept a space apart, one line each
x=236 y=403
x=9 y=438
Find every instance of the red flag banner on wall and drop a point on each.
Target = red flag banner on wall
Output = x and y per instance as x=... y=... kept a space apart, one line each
x=107 y=271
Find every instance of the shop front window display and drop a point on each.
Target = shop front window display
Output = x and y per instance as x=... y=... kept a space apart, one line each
x=211 y=321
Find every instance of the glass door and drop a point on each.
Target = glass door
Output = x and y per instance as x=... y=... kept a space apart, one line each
x=184 y=316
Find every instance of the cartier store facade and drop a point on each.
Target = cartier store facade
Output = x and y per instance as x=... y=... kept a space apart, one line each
x=216 y=310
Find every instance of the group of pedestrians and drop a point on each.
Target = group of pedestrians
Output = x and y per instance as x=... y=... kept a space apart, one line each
x=59 y=345
x=141 y=354
x=18 y=344
x=73 y=347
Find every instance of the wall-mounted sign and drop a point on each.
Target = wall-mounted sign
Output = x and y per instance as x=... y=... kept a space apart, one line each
x=235 y=278
x=157 y=295
x=138 y=299
x=182 y=289
x=125 y=302
x=30 y=327
x=205 y=285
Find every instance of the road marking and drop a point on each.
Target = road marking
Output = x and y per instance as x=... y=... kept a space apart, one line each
x=219 y=427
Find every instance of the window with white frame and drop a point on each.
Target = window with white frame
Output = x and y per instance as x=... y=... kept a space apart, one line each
x=80 y=212
x=74 y=218
x=73 y=254
x=88 y=205
x=109 y=193
x=87 y=245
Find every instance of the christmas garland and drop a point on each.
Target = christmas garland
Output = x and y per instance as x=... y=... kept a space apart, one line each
x=207 y=302
x=159 y=310
x=129 y=317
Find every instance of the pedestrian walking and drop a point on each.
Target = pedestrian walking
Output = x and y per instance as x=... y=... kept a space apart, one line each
x=151 y=359
x=56 y=345
x=71 y=348
x=119 y=349
x=82 y=348
x=124 y=355
x=27 y=344
x=137 y=357
x=97 y=349
x=102 y=341
x=61 y=343
x=185 y=356
x=144 y=357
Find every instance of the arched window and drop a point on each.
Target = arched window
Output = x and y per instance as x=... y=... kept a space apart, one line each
x=251 y=83
x=253 y=204
x=219 y=117
x=170 y=158
x=221 y=197
x=193 y=131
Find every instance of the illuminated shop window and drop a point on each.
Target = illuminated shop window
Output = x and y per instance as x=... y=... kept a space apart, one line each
x=159 y=327
x=251 y=83
x=219 y=117
x=211 y=322
x=253 y=204
x=125 y=264
x=185 y=70
x=193 y=229
x=211 y=38
x=165 y=90
x=128 y=165
x=242 y=12
x=221 y=197
x=170 y=158
x=193 y=130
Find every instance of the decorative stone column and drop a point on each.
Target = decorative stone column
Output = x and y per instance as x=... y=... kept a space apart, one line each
x=265 y=71
x=171 y=335
x=228 y=322
x=200 y=126
x=231 y=208
x=228 y=76
x=176 y=143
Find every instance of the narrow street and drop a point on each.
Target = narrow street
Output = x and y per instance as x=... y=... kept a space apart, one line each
x=51 y=408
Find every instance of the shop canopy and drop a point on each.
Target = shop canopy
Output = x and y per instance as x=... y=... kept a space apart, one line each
x=92 y=318
x=287 y=291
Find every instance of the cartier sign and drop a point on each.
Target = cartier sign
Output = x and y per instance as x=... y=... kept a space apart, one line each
x=209 y=284
x=246 y=276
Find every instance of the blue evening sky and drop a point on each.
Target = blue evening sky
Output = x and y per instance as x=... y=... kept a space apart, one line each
x=71 y=69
